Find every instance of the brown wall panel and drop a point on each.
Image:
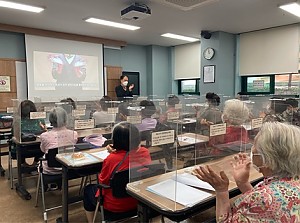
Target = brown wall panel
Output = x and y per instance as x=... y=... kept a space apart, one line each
x=8 y=68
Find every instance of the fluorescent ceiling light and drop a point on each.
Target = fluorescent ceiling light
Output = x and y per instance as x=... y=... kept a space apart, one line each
x=13 y=5
x=293 y=8
x=113 y=24
x=174 y=36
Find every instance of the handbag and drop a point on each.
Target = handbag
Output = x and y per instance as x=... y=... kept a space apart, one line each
x=27 y=137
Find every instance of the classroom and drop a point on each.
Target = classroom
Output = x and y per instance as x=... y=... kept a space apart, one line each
x=149 y=111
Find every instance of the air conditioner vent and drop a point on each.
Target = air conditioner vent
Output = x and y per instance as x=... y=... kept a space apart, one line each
x=186 y=4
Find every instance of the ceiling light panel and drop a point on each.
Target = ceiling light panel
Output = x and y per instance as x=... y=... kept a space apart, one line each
x=175 y=36
x=293 y=8
x=112 y=24
x=18 y=6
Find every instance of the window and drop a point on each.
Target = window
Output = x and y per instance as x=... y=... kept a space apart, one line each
x=287 y=84
x=258 y=84
x=279 y=84
x=188 y=86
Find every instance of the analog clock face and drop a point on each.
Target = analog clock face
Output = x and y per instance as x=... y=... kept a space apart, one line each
x=209 y=53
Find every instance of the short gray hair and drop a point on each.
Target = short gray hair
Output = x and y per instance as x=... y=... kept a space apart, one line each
x=279 y=144
x=58 y=117
x=235 y=111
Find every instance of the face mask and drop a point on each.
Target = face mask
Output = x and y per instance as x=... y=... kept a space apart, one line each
x=253 y=165
x=125 y=83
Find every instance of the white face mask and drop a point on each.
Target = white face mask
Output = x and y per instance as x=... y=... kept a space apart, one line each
x=125 y=83
x=253 y=165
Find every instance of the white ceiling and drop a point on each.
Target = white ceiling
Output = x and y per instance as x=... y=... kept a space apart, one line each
x=233 y=16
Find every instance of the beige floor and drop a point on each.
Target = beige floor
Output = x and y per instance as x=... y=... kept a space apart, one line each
x=14 y=209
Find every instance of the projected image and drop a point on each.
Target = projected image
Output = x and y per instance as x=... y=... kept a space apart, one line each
x=63 y=72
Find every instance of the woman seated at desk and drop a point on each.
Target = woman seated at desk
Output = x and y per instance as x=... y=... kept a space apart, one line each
x=102 y=117
x=59 y=136
x=27 y=125
x=211 y=115
x=172 y=101
x=126 y=140
x=275 y=154
x=148 y=123
x=234 y=115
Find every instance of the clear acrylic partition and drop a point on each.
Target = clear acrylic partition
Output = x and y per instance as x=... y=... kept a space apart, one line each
x=29 y=118
x=17 y=119
x=293 y=113
x=67 y=138
x=169 y=145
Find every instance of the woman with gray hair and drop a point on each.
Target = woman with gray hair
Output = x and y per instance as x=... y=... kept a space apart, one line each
x=235 y=113
x=275 y=154
x=57 y=137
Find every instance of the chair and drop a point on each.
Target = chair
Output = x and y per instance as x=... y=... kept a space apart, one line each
x=118 y=185
x=29 y=152
x=45 y=179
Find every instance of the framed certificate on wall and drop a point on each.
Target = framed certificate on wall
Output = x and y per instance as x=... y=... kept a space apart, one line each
x=209 y=74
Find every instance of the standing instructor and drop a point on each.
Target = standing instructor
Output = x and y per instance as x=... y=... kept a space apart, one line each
x=123 y=90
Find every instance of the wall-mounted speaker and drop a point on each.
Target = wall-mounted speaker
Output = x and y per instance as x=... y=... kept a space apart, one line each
x=205 y=34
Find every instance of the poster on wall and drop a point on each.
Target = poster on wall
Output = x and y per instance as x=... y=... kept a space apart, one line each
x=4 y=83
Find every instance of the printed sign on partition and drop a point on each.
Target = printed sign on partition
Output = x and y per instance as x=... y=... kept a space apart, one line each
x=77 y=113
x=256 y=123
x=85 y=124
x=162 y=103
x=134 y=119
x=48 y=108
x=218 y=129
x=162 y=137
x=113 y=110
x=178 y=106
x=37 y=115
x=10 y=109
x=173 y=115
x=81 y=107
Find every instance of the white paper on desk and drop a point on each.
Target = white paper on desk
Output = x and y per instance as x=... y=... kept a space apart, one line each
x=189 y=140
x=101 y=154
x=191 y=180
x=185 y=195
x=89 y=159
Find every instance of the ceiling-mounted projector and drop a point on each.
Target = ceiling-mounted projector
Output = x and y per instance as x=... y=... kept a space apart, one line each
x=136 y=12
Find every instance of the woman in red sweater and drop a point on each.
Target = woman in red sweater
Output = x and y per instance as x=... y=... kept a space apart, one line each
x=126 y=139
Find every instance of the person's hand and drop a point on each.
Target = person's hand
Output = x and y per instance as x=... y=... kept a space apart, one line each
x=110 y=149
x=205 y=122
x=241 y=168
x=131 y=87
x=44 y=127
x=219 y=182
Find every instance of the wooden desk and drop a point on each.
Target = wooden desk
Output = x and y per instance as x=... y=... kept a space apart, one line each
x=22 y=150
x=5 y=134
x=82 y=169
x=149 y=201
x=34 y=148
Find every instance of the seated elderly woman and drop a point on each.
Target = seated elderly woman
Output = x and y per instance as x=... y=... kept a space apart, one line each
x=125 y=147
x=235 y=113
x=57 y=137
x=275 y=154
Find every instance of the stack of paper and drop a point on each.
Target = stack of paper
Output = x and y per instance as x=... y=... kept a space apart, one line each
x=191 y=180
x=101 y=154
x=179 y=192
